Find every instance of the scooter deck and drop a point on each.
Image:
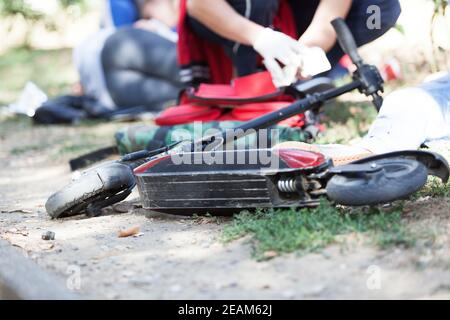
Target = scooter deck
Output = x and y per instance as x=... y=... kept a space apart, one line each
x=228 y=188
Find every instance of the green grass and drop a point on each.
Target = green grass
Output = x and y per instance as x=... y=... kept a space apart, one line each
x=434 y=188
x=346 y=121
x=309 y=230
x=51 y=70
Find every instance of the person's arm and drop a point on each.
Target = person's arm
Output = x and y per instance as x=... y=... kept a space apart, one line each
x=166 y=11
x=221 y=18
x=320 y=33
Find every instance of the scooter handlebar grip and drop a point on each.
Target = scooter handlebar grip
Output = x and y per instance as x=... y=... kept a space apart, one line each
x=346 y=40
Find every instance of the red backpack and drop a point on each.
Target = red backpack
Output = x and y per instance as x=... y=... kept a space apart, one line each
x=245 y=99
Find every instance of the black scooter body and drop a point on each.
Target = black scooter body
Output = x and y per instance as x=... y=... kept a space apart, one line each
x=292 y=178
x=256 y=179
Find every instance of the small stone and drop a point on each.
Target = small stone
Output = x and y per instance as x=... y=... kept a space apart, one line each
x=122 y=207
x=141 y=234
x=49 y=235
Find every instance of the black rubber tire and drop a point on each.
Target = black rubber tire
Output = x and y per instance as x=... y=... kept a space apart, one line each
x=398 y=180
x=74 y=198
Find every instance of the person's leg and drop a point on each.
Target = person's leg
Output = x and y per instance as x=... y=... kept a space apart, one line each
x=244 y=57
x=141 y=50
x=87 y=59
x=140 y=68
x=408 y=118
x=129 y=88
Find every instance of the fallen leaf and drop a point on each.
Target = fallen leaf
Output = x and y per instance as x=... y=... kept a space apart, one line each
x=128 y=232
x=270 y=254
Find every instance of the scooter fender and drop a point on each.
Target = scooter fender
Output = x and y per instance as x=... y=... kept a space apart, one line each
x=435 y=163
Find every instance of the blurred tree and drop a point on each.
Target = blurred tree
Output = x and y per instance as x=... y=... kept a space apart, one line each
x=32 y=14
x=15 y=8
x=439 y=53
x=25 y=8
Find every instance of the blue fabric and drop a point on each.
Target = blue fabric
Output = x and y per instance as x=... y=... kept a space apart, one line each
x=439 y=89
x=123 y=12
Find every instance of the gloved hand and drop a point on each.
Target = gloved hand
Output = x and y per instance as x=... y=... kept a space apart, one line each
x=275 y=46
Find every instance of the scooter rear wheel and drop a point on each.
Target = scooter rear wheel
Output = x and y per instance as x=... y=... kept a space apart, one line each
x=397 y=179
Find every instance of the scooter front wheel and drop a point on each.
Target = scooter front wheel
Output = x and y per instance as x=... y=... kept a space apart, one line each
x=394 y=179
x=93 y=190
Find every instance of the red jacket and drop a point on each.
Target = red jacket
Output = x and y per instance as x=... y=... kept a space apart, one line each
x=202 y=61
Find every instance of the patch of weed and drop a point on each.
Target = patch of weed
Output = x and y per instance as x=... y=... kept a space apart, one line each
x=309 y=230
x=434 y=188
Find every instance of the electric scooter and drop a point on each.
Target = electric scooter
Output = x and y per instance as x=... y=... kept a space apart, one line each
x=299 y=179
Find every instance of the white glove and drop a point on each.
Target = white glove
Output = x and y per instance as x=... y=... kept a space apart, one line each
x=275 y=46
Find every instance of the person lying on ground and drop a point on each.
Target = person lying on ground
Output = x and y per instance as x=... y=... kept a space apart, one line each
x=409 y=119
x=248 y=30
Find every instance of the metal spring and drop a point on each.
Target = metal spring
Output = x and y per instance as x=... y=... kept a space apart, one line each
x=287 y=185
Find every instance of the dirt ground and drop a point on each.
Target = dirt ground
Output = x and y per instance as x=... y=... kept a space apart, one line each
x=182 y=258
